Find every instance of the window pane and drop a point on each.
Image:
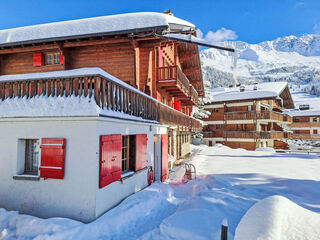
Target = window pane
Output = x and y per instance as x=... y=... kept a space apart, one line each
x=32 y=156
x=56 y=58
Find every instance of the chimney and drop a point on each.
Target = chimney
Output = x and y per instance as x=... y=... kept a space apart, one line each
x=168 y=12
x=304 y=106
x=242 y=88
x=255 y=88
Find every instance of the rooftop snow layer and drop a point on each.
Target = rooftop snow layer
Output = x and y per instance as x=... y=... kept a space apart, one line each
x=264 y=90
x=121 y=23
x=304 y=113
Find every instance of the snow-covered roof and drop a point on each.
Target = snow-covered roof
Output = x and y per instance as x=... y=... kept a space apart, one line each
x=105 y=25
x=304 y=113
x=263 y=91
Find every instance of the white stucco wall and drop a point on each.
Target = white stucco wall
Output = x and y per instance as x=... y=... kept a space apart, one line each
x=72 y=197
x=78 y=195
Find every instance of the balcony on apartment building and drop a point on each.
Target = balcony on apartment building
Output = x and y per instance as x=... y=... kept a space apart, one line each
x=245 y=134
x=109 y=93
x=259 y=115
x=176 y=83
x=304 y=136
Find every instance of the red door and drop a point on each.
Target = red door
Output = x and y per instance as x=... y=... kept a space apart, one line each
x=110 y=159
x=164 y=157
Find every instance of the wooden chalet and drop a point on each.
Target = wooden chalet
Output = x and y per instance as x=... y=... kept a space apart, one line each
x=90 y=109
x=248 y=116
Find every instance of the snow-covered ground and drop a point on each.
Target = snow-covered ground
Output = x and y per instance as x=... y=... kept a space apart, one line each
x=262 y=195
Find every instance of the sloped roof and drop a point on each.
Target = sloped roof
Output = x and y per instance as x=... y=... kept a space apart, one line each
x=105 y=25
x=304 y=113
x=263 y=91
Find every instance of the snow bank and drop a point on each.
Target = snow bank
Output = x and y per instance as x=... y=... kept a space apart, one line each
x=265 y=149
x=15 y=226
x=277 y=217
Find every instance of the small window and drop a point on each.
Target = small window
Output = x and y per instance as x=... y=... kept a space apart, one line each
x=229 y=109
x=315 y=119
x=56 y=58
x=128 y=153
x=52 y=58
x=32 y=156
x=249 y=108
x=315 y=131
x=245 y=127
x=219 y=126
x=215 y=110
x=49 y=59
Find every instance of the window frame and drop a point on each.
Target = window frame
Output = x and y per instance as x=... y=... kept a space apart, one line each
x=54 y=57
x=26 y=170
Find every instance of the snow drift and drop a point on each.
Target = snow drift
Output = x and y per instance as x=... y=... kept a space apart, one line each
x=277 y=217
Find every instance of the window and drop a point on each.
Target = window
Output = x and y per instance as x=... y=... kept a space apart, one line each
x=32 y=156
x=52 y=58
x=315 y=131
x=215 y=110
x=250 y=108
x=229 y=109
x=314 y=119
x=219 y=126
x=128 y=153
x=245 y=127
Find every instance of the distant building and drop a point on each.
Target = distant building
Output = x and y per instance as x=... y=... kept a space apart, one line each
x=249 y=116
x=306 y=124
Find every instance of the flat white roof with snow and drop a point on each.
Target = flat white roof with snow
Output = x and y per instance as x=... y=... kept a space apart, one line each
x=105 y=25
x=263 y=90
x=304 y=113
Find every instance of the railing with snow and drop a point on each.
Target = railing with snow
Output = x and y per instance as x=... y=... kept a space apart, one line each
x=108 y=94
x=257 y=115
x=246 y=134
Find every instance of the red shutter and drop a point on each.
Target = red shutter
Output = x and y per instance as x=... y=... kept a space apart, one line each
x=110 y=159
x=52 y=158
x=177 y=105
x=141 y=152
x=61 y=59
x=37 y=59
x=164 y=157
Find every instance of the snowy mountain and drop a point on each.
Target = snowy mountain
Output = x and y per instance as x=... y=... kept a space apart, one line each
x=293 y=59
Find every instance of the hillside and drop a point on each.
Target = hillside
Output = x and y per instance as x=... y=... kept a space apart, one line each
x=293 y=59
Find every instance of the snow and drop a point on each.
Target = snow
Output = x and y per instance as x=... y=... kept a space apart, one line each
x=276 y=217
x=302 y=113
x=235 y=185
x=263 y=90
x=122 y=23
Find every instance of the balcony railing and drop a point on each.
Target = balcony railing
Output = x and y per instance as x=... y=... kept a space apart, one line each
x=193 y=95
x=108 y=93
x=244 y=134
x=305 y=136
x=174 y=77
x=269 y=115
x=304 y=124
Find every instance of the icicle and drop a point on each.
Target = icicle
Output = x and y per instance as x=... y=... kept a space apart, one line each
x=234 y=66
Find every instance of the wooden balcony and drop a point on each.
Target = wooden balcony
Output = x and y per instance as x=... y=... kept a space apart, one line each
x=244 y=134
x=268 y=115
x=175 y=82
x=304 y=124
x=305 y=136
x=108 y=93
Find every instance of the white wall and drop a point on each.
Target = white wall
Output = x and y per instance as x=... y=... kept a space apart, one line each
x=78 y=195
x=112 y=194
x=72 y=197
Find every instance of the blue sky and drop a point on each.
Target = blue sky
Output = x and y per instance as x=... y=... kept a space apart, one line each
x=247 y=20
